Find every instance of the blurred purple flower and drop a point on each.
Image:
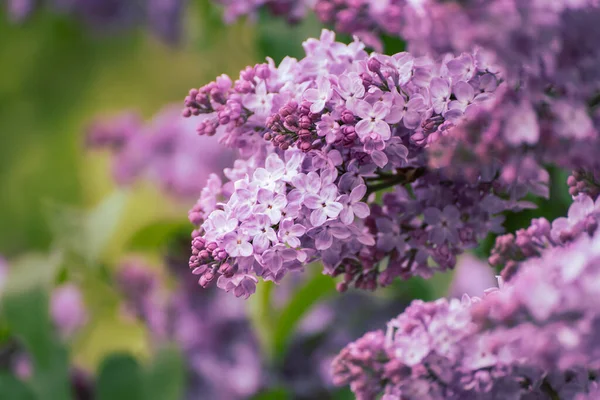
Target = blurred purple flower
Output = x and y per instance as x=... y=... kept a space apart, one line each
x=472 y=276
x=67 y=309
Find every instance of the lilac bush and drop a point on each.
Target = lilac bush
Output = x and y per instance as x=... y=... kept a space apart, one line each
x=379 y=167
x=385 y=166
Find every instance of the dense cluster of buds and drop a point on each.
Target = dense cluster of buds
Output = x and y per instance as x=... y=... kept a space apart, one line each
x=511 y=250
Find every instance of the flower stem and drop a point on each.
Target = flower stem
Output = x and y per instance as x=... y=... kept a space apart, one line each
x=403 y=176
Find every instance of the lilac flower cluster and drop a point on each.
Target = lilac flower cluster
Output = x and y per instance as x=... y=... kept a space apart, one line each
x=546 y=313
x=164 y=150
x=511 y=250
x=547 y=113
x=163 y=17
x=292 y=10
x=343 y=126
x=436 y=351
x=535 y=334
x=426 y=352
x=588 y=182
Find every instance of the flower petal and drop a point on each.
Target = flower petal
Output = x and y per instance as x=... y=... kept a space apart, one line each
x=318 y=217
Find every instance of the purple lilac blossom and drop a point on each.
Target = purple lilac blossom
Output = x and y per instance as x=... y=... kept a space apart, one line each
x=546 y=313
x=67 y=309
x=535 y=335
x=435 y=351
x=163 y=17
x=581 y=181
x=343 y=125
x=165 y=150
x=511 y=250
x=547 y=111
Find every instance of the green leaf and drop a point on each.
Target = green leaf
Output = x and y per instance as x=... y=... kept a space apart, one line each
x=120 y=378
x=305 y=297
x=165 y=376
x=262 y=315
x=278 y=39
x=86 y=233
x=273 y=394
x=157 y=234
x=393 y=44
x=101 y=223
x=26 y=314
x=32 y=271
x=12 y=388
x=344 y=394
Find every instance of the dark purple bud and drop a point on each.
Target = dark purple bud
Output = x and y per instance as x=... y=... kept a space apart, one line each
x=263 y=71
x=247 y=74
x=227 y=270
x=342 y=287
x=279 y=139
x=199 y=243
x=305 y=122
x=291 y=120
x=203 y=254
x=205 y=279
x=348 y=117
x=304 y=134
x=374 y=65
x=305 y=146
